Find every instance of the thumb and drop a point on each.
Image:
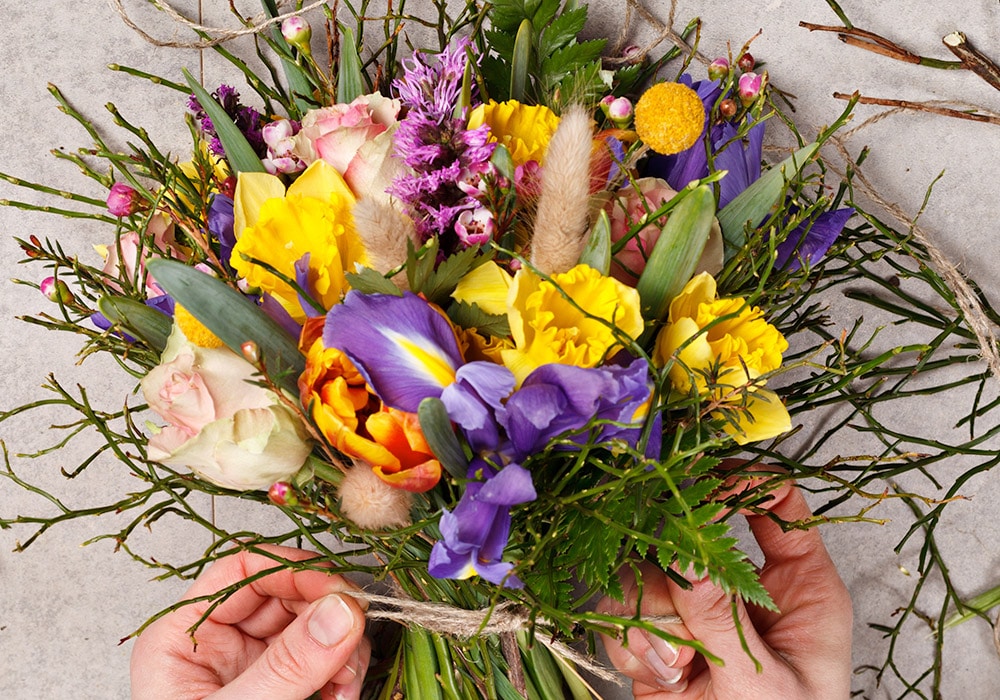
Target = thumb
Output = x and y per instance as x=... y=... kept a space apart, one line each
x=707 y=611
x=314 y=647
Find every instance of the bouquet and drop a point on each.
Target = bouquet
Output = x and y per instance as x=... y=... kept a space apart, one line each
x=489 y=321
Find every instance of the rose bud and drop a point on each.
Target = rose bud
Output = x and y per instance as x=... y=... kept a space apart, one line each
x=123 y=200
x=281 y=493
x=56 y=290
x=298 y=33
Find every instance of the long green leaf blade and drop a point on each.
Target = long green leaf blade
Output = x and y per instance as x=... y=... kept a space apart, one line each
x=755 y=202
x=232 y=317
x=239 y=153
x=350 y=82
x=436 y=427
x=520 y=64
x=597 y=252
x=298 y=80
x=147 y=323
x=676 y=253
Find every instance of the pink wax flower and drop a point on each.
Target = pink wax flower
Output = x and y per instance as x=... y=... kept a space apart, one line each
x=718 y=69
x=474 y=226
x=750 y=86
x=55 y=290
x=354 y=138
x=123 y=200
x=279 y=138
x=297 y=32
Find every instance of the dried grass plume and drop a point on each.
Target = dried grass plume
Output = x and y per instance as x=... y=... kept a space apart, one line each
x=371 y=503
x=384 y=231
x=561 y=224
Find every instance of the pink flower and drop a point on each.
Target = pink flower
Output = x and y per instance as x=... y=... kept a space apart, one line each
x=629 y=208
x=219 y=423
x=750 y=86
x=125 y=259
x=354 y=138
x=474 y=226
x=123 y=200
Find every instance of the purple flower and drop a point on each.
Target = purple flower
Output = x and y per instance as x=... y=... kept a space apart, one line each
x=220 y=224
x=475 y=533
x=436 y=145
x=405 y=348
x=247 y=120
x=474 y=399
x=811 y=239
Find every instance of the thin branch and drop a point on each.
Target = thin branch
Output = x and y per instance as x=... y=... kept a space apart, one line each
x=973 y=59
x=876 y=43
x=921 y=107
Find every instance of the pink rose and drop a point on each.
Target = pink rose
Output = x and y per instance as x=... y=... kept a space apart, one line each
x=627 y=209
x=220 y=424
x=354 y=138
x=126 y=259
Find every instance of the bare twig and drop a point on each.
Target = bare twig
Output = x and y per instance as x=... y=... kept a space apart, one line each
x=921 y=107
x=876 y=43
x=973 y=59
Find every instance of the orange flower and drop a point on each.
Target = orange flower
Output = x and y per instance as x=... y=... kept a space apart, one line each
x=354 y=422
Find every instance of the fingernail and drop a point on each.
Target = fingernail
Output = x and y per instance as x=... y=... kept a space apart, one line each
x=660 y=668
x=664 y=649
x=671 y=680
x=331 y=621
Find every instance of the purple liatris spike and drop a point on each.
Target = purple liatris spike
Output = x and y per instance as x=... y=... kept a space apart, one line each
x=437 y=147
x=247 y=119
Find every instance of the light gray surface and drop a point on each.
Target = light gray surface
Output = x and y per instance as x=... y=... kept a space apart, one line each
x=64 y=608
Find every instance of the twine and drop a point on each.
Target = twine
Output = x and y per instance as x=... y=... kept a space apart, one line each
x=505 y=618
x=258 y=24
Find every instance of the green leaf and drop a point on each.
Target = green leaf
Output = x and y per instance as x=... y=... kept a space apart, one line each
x=566 y=60
x=350 y=82
x=753 y=204
x=503 y=162
x=520 y=64
x=441 y=438
x=438 y=284
x=420 y=665
x=563 y=30
x=369 y=281
x=471 y=316
x=975 y=607
x=148 y=324
x=597 y=252
x=676 y=253
x=239 y=153
x=232 y=317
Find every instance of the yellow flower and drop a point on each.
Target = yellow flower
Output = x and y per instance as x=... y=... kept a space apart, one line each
x=279 y=228
x=729 y=342
x=194 y=330
x=524 y=129
x=568 y=320
x=669 y=118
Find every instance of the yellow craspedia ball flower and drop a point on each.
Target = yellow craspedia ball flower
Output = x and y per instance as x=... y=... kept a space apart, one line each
x=669 y=118
x=194 y=330
x=525 y=130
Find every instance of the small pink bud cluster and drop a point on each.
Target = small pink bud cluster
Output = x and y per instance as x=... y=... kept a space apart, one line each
x=279 y=138
x=298 y=33
x=282 y=494
x=718 y=69
x=619 y=110
x=56 y=290
x=123 y=200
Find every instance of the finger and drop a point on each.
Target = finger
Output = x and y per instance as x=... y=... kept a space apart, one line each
x=352 y=689
x=643 y=656
x=303 y=659
x=305 y=585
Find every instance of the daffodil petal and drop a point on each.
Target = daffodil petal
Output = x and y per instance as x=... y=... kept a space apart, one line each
x=763 y=417
x=321 y=180
x=252 y=190
x=487 y=287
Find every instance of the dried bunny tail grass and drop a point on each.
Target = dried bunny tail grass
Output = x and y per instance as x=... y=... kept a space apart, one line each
x=384 y=231
x=561 y=222
x=371 y=503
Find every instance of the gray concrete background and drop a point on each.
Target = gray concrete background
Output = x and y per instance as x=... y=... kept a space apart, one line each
x=64 y=608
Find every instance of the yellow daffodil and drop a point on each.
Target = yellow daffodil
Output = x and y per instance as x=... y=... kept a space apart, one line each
x=524 y=129
x=278 y=228
x=569 y=320
x=722 y=347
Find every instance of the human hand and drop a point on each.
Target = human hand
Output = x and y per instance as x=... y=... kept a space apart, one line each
x=282 y=637
x=804 y=649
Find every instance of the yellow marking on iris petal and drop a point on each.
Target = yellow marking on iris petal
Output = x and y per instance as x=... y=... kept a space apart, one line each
x=435 y=363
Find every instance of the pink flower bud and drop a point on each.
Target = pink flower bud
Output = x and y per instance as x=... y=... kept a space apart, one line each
x=297 y=32
x=56 y=290
x=282 y=494
x=718 y=69
x=251 y=353
x=123 y=200
x=746 y=63
x=278 y=131
x=749 y=87
x=632 y=54
x=620 y=112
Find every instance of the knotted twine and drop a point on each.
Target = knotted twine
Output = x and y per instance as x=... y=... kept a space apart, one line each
x=504 y=618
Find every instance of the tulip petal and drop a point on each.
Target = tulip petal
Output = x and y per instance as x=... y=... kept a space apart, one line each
x=763 y=417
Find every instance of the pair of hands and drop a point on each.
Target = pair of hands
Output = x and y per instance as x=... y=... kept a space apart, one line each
x=290 y=634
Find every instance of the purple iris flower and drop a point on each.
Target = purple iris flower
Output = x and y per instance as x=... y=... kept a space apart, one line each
x=474 y=399
x=220 y=224
x=404 y=348
x=560 y=399
x=475 y=533
x=811 y=239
